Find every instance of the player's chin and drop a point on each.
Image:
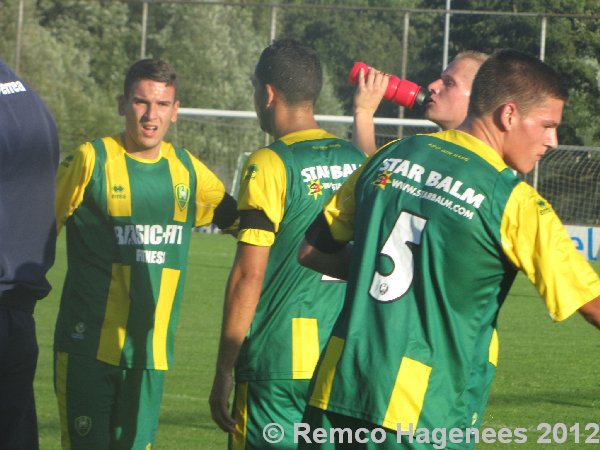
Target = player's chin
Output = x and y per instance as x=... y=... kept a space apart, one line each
x=525 y=168
x=151 y=139
x=430 y=111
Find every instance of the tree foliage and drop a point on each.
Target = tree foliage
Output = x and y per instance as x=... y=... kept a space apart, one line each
x=572 y=47
x=75 y=52
x=60 y=71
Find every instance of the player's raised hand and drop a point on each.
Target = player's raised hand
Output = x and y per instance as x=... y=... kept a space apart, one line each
x=370 y=91
x=219 y=402
x=367 y=97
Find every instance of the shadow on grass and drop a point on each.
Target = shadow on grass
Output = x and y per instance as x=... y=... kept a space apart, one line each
x=536 y=400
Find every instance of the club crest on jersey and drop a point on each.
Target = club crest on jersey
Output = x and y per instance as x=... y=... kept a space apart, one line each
x=383 y=179
x=79 y=331
x=250 y=173
x=83 y=425
x=182 y=195
x=67 y=161
x=315 y=188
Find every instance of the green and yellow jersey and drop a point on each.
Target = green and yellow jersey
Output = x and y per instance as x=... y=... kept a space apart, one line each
x=128 y=223
x=440 y=227
x=284 y=187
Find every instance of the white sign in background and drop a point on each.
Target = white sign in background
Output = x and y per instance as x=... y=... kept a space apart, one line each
x=586 y=240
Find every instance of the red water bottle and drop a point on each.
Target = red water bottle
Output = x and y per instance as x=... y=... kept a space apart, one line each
x=402 y=92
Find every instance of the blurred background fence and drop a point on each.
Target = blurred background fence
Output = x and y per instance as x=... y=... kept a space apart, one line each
x=568 y=177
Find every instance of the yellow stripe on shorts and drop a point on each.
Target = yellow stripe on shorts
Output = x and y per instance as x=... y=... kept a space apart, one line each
x=493 y=350
x=240 y=413
x=62 y=364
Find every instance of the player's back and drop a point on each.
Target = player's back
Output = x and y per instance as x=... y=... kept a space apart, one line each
x=427 y=261
x=298 y=306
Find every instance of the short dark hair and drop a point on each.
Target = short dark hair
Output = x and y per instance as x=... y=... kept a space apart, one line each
x=150 y=69
x=511 y=75
x=293 y=69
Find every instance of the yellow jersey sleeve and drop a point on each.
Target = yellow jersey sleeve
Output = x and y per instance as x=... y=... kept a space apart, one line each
x=72 y=177
x=339 y=209
x=209 y=192
x=536 y=242
x=263 y=188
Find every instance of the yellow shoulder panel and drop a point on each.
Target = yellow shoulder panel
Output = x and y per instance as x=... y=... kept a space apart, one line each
x=73 y=175
x=339 y=210
x=263 y=188
x=209 y=192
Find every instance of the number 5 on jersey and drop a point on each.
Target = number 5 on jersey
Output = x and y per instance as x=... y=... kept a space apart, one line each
x=393 y=284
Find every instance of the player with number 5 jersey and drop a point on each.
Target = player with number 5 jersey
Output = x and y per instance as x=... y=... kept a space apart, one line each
x=441 y=225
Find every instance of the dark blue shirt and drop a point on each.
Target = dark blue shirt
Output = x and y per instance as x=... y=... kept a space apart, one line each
x=29 y=156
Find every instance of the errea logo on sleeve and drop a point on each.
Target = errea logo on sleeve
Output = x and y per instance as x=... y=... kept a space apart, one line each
x=12 y=87
x=543 y=207
x=250 y=173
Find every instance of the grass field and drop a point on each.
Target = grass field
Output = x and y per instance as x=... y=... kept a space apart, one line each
x=548 y=373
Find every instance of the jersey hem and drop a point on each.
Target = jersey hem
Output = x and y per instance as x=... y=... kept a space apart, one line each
x=350 y=413
x=245 y=376
x=58 y=348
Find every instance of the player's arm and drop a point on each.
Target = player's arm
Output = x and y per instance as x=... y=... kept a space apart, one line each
x=226 y=215
x=591 y=312
x=367 y=97
x=261 y=200
x=319 y=251
x=72 y=177
x=241 y=297
x=213 y=204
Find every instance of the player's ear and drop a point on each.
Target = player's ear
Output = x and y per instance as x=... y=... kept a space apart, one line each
x=175 y=110
x=121 y=102
x=506 y=115
x=271 y=93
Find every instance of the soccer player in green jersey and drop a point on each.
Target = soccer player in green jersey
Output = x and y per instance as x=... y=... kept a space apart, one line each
x=449 y=98
x=278 y=314
x=128 y=203
x=441 y=225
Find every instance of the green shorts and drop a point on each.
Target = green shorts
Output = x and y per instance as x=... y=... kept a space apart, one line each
x=103 y=406
x=263 y=409
x=350 y=434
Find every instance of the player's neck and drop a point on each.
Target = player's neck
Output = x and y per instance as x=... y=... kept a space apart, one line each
x=140 y=152
x=291 y=120
x=483 y=129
